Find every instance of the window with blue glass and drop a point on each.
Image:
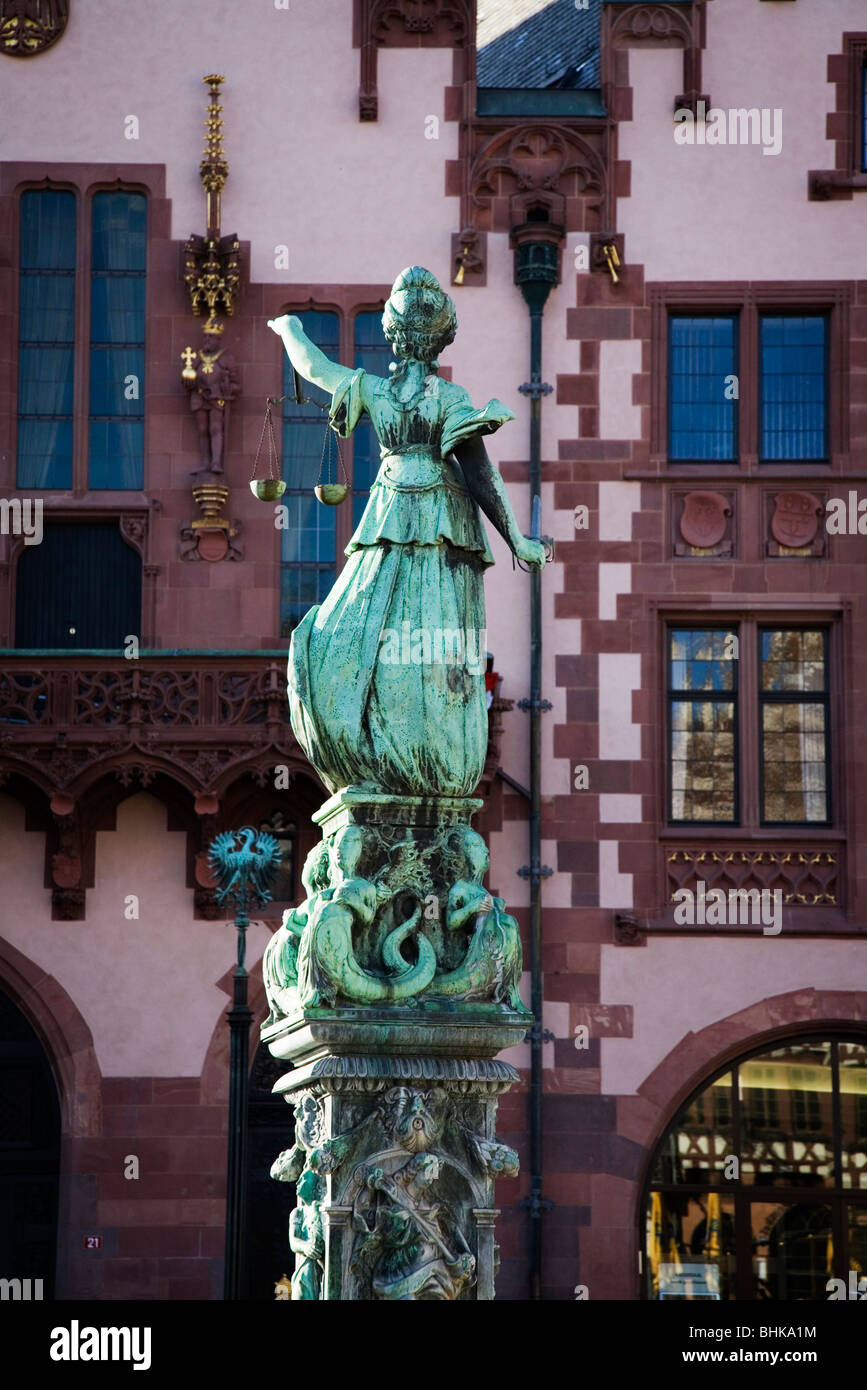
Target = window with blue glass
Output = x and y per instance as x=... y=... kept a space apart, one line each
x=793 y=392
x=46 y=338
x=373 y=353
x=117 y=331
x=864 y=119
x=702 y=408
x=309 y=540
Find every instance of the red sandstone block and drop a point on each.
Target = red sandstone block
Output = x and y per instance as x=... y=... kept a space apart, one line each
x=572 y=989
x=553 y=957
x=642 y=326
x=857 y=321
x=126 y=1090
x=610 y=635
x=599 y=323
x=612 y=1202
x=588 y=422
x=582 y=958
x=637 y=1119
x=623 y=178
x=118 y=1120
x=157 y=1240
x=575 y=1081
x=577 y=390
x=212 y=1241
x=577 y=857
x=129 y=1279
x=198 y=1290
x=589 y=356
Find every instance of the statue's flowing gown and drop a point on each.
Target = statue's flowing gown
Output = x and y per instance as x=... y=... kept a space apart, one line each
x=372 y=700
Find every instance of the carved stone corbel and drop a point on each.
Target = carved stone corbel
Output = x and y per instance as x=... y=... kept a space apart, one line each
x=65 y=868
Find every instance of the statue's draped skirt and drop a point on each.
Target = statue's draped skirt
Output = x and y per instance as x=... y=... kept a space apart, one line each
x=386 y=676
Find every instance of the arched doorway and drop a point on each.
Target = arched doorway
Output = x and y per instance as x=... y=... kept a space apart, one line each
x=29 y=1153
x=758 y=1188
x=271 y=1128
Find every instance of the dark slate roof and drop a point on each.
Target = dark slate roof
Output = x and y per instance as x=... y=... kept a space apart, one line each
x=538 y=43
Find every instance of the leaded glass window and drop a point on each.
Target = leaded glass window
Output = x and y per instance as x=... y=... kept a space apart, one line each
x=46 y=338
x=793 y=390
x=117 y=332
x=702 y=699
x=793 y=695
x=702 y=403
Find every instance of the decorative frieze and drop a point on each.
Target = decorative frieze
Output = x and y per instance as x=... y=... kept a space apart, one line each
x=806 y=875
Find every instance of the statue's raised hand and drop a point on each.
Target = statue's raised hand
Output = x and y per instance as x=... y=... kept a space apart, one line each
x=282 y=325
x=530 y=551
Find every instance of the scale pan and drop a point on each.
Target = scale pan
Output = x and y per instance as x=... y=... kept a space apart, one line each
x=267 y=489
x=332 y=494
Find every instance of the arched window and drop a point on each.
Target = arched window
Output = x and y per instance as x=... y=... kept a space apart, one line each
x=758 y=1188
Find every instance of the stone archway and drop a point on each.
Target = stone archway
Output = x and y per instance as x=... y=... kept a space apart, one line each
x=67 y=1045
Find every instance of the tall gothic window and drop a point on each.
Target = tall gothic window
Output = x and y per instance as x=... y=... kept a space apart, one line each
x=117 y=330
x=46 y=338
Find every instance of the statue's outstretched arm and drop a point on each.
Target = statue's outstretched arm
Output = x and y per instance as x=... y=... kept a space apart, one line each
x=489 y=490
x=306 y=357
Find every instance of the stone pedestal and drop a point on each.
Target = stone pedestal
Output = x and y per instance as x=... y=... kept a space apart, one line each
x=392 y=989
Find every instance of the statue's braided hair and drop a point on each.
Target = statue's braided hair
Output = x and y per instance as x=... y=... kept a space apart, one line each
x=419 y=318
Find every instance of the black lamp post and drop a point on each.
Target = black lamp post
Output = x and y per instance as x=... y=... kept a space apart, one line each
x=243 y=862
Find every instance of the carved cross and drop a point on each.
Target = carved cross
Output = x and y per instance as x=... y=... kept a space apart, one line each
x=187 y=357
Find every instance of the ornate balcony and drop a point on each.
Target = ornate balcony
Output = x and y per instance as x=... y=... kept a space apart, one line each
x=79 y=728
x=67 y=719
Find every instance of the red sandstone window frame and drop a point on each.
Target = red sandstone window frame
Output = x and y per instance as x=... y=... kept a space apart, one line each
x=84 y=181
x=845 y=125
x=748 y=302
x=746 y=625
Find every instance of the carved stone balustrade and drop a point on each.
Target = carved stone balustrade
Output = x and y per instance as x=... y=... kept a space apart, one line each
x=200 y=717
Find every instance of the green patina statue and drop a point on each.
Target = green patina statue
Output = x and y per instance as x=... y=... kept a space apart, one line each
x=396 y=982
x=377 y=698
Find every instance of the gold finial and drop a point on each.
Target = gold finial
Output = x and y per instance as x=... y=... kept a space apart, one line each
x=212 y=272
x=213 y=168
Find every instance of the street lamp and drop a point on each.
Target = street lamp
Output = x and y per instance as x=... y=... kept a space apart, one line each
x=244 y=863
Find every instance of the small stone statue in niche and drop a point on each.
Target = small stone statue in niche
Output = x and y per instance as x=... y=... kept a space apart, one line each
x=306 y=1238
x=211 y=377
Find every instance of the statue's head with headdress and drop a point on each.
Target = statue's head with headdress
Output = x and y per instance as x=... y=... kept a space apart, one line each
x=419 y=318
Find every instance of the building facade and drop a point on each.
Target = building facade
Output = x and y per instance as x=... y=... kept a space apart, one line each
x=698 y=166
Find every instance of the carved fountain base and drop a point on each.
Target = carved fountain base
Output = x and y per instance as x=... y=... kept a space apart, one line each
x=392 y=989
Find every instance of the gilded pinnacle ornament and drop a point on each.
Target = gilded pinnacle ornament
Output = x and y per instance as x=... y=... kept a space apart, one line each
x=213 y=267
